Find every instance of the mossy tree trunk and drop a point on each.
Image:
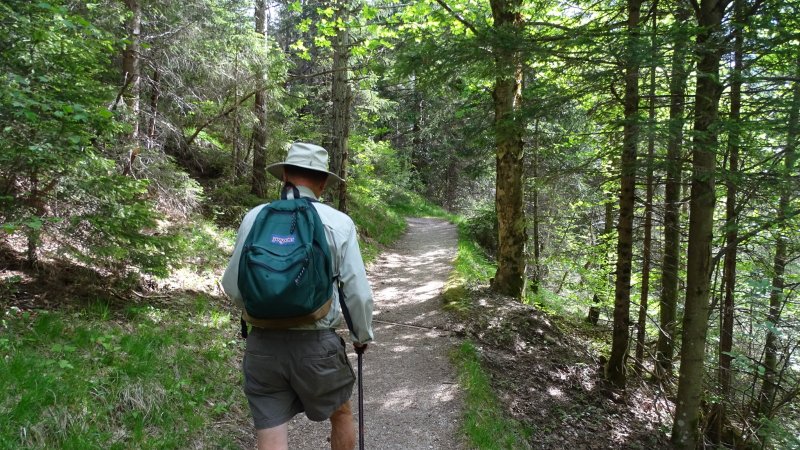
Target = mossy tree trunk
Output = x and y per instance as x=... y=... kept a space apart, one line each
x=510 y=277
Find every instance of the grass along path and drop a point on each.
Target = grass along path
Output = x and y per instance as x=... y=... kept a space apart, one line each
x=140 y=377
x=166 y=375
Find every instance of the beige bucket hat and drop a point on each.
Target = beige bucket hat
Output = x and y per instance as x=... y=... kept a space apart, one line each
x=307 y=156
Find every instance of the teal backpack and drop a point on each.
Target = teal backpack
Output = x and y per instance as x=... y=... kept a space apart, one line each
x=285 y=273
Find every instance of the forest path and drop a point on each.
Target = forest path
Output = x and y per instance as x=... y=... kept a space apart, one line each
x=411 y=397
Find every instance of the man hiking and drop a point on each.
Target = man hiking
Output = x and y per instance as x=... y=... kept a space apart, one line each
x=300 y=365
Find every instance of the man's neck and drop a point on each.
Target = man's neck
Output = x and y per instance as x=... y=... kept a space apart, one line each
x=305 y=191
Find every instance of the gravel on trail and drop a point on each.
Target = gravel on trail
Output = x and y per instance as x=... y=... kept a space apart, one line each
x=411 y=396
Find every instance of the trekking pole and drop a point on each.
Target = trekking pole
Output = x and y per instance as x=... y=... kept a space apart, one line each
x=360 y=353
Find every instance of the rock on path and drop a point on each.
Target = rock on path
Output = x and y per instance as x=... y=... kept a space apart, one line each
x=411 y=398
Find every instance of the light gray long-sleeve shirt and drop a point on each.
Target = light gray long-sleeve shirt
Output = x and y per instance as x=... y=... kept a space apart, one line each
x=348 y=268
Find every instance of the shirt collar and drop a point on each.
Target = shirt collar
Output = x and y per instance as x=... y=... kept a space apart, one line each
x=306 y=192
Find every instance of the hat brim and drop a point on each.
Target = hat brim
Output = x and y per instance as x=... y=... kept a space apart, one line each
x=277 y=171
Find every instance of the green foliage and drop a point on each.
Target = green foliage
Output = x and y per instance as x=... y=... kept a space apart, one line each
x=378 y=225
x=380 y=200
x=481 y=226
x=112 y=226
x=54 y=106
x=80 y=380
x=485 y=422
x=471 y=268
x=421 y=78
x=227 y=203
x=412 y=204
x=472 y=263
x=379 y=161
x=205 y=245
x=50 y=101
x=779 y=432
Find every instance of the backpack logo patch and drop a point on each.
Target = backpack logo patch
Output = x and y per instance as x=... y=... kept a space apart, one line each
x=283 y=240
x=285 y=269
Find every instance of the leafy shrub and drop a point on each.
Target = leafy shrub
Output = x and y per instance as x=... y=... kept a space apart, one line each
x=379 y=161
x=481 y=225
x=56 y=121
x=228 y=203
x=112 y=225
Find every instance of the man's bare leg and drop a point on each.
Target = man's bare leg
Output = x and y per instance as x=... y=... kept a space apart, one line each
x=343 y=432
x=275 y=438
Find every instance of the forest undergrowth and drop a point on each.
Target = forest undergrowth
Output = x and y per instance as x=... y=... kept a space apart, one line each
x=549 y=379
x=93 y=360
x=535 y=379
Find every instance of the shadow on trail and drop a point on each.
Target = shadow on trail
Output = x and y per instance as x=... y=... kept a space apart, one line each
x=411 y=397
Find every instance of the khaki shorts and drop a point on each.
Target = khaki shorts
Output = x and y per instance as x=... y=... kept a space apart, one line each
x=290 y=371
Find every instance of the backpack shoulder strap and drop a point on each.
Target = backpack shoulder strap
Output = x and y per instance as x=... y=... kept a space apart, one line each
x=345 y=311
x=289 y=187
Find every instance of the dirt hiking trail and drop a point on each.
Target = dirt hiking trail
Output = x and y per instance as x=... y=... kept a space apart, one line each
x=411 y=398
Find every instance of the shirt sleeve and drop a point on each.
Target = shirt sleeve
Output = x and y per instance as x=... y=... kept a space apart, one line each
x=356 y=289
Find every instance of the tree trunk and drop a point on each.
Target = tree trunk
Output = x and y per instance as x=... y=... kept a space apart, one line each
x=616 y=371
x=766 y=398
x=665 y=349
x=155 y=94
x=608 y=227
x=132 y=78
x=340 y=94
x=511 y=263
x=34 y=234
x=537 y=273
x=710 y=45
x=418 y=159
x=259 y=179
x=731 y=237
x=641 y=324
x=238 y=161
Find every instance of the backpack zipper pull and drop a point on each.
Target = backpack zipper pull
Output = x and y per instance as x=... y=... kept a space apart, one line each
x=302 y=271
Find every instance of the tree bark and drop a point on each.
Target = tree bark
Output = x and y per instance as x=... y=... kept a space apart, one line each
x=617 y=362
x=238 y=162
x=710 y=45
x=510 y=276
x=665 y=348
x=34 y=234
x=641 y=323
x=341 y=97
x=418 y=159
x=259 y=178
x=132 y=78
x=537 y=273
x=155 y=94
x=766 y=398
x=731 y=235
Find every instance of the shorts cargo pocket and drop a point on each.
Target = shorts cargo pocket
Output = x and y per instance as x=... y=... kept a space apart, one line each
x=332 y=370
